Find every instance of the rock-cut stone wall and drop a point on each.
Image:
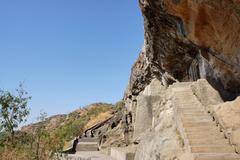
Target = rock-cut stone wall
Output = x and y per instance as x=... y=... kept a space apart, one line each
x=185 y=121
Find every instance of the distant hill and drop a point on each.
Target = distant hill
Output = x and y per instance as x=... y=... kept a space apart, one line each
x=89 y=116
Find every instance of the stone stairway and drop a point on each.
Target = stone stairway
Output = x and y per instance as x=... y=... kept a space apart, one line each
x=87 y=139
x=92 y=155
x=87 y=144
x=87 y=149
x=204 y=138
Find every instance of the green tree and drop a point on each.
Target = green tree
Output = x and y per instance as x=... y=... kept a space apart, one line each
x=13 y=111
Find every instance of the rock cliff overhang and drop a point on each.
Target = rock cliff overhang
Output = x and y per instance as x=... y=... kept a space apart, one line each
x=187 y=40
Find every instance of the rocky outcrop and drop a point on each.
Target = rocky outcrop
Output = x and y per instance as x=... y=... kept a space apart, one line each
x=161 y=138
x=196 y=43
x=185 y=121
x=189 y=39
x=227 y=116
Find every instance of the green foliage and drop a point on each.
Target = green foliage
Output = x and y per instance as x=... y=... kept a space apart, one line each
x=3 y=137
x=14 y=110
x=70 y=130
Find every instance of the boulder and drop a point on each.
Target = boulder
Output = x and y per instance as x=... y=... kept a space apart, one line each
x=206 y=94
x=228 y=114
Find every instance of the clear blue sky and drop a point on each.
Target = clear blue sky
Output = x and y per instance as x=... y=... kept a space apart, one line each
x=69 y=53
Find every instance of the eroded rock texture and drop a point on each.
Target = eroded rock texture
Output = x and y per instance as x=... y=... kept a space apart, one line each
x=187 y=40
x=189 y=121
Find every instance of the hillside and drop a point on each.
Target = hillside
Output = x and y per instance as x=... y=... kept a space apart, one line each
x=99 y=111
x=54 y=134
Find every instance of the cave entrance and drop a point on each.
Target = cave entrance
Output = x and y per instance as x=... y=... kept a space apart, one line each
x=177 y=74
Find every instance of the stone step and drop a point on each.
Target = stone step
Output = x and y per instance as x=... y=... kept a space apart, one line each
x=187 y=98
x=206 y=135
x=197 y=117
x=207 y=141
x=182 y=93
x=87 y=146
x=92 y=155
x=197 y=120
x=217 y=157
x=188 y=104
x=187 y=119
x=194 y=124
x=181 y=90
x=204 y=127
x=190 y=109
x=193 y=114
x=199 y=131
x=182 y=84
x=88 y=140
x=212 y=149
x=193 y=111
x=201 y=137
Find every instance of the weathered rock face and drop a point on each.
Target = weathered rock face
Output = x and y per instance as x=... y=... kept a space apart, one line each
x=187 y=40
x=228 y=116
x=159 y=138
x=185 y=121
x=148 y=103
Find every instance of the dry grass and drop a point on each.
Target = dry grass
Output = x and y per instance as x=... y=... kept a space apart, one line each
x=98 y=119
